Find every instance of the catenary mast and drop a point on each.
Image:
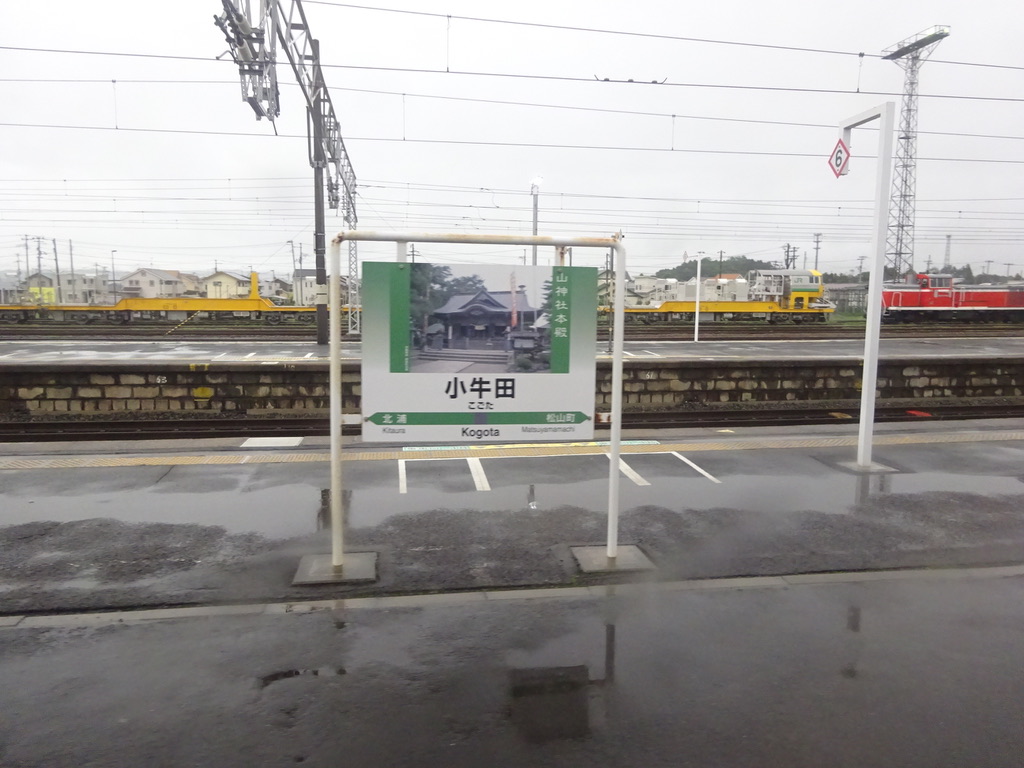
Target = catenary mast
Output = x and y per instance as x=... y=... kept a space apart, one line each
x=909 y=54
x=253 y=43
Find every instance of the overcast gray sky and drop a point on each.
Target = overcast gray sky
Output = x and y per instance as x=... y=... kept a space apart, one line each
x=170 y=168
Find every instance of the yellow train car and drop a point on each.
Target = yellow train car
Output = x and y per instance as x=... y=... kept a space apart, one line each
x=777 y=295
x=169 y=310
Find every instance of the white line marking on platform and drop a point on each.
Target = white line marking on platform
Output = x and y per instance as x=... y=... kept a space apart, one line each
x=628 y=353
x=308 y=355
x=272 y=442
x=709 y=476
x=479 y=476
x=251 y=354
x=217 y=356
x=652 y=354
x=403 y=486
x=629 y=472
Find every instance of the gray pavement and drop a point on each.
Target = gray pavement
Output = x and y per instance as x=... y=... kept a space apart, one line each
x=136 y=525
x=147 y=616
x=901 y=670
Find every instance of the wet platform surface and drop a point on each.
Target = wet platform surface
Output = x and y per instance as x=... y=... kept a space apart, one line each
x=93 y=526
x=914 y=669
x=802 y=614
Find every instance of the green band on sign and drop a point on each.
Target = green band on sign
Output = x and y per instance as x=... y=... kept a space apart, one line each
x=477 y=419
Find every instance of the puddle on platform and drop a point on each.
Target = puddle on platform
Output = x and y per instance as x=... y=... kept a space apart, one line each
x=282 y=501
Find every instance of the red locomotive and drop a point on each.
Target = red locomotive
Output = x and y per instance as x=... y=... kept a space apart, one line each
x=926 y=297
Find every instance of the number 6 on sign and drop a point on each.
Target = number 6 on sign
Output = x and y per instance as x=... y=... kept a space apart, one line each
x=840 y=157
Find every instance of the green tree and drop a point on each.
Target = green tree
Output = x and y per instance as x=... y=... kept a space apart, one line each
x=711 y=267
x=430 y=287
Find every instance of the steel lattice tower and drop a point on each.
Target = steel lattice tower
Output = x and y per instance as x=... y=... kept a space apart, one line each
x=899 y=244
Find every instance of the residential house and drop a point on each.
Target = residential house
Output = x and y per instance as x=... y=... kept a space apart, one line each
x=274 y=287
x=304 y=288
x=10 y=289
x=150 y=283
x=226 y=285
x=41 y=288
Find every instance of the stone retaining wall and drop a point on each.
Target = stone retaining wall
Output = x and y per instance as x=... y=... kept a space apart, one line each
x=660 y=384
x=46 y=389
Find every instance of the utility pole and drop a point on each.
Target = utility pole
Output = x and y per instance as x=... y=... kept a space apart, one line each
x=253 y=46
x=56 y=269
x=1007 y=264
x=988 y=266
x=789 y=261
x=860 y=267
x=113 y=274
x=39 y=260
x=720 y=255
x=534 y=190
x=946 y=264
x=817 y=245
x=928 y=263
x=28 y=264
x=74 y=285
x=908 y=54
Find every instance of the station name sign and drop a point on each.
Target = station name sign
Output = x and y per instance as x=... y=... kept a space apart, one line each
x=484 y=353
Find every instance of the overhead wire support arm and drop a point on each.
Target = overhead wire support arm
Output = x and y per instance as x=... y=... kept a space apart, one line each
x=303 y=53
x=301 y=50
x=254 y=51
x=253 y=47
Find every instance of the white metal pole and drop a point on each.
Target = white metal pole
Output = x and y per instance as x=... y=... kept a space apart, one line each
x=334 y=341
x=696 y=306
x=874 y=321
x=616 y=415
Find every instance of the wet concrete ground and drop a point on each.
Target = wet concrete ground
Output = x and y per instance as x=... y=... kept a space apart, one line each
x=899 y=672
x=206 y=526
x=906 y=668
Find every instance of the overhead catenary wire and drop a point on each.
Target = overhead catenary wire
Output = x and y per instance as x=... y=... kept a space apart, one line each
x=464 y=142
x=527 y=104
x=550 y=78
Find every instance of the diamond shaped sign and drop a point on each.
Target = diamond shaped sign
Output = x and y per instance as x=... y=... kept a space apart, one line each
x=839 y=158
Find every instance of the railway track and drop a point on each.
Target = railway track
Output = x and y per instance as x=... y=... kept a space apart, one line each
x=634 y=332
x=192 y=429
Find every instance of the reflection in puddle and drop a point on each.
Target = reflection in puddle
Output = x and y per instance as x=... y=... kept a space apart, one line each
x=555 y=702
x=853 y=614
x=323 y=514
x=550 y=702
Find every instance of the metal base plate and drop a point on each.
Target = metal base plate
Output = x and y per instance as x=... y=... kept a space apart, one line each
x=317 y=569
x=875 y=468
x=595 y=559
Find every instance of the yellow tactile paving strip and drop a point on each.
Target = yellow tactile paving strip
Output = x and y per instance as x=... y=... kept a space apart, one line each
x=484 y=452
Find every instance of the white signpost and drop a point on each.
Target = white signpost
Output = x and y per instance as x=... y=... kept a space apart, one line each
x=339 y=566
x=886 y=113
